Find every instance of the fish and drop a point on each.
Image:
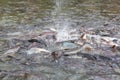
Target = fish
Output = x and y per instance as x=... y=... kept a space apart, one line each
x=37 y=50
x=11 y=52
x=83 y=36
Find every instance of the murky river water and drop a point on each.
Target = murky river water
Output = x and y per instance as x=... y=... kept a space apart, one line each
x=34 y=15
x=41 y=13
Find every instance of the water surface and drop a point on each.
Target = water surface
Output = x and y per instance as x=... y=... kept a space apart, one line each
x=30 y=16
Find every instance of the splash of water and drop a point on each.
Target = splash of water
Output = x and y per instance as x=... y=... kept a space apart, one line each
x=62 y=23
